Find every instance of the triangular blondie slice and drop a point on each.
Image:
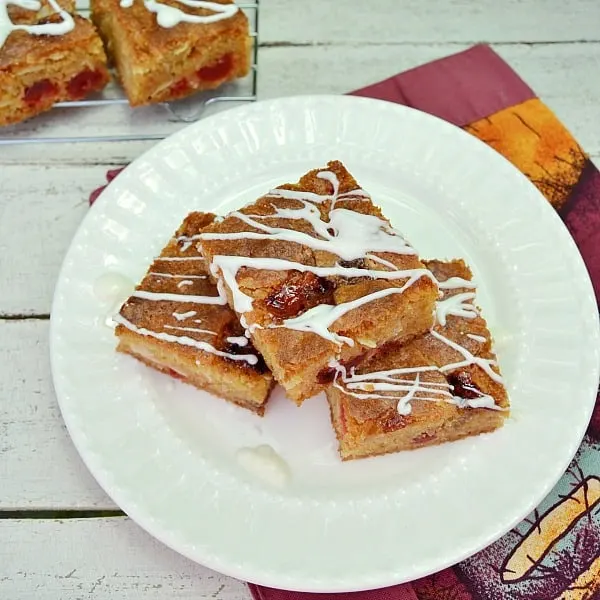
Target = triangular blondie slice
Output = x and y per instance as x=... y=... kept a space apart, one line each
x=317 y=274
x=177 y=322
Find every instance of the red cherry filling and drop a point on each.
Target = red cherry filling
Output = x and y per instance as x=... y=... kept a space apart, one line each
x=300 y=292
x=342 y=419
x=83 y=83
x=180 y=88
x=220 y=69
x=423 y=438
x=463 y=385
x=39 y=90
x=175 y=374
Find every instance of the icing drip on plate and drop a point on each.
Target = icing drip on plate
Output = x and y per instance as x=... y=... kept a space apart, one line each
x=347 y=234
x=65 y=25
x=266 y=464
x=170 y=16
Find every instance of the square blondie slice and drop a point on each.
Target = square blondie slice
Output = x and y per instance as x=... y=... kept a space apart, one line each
x=177 y=323
x=439 y=387
x=165 y=50
x=50 y=55
x=317 y=274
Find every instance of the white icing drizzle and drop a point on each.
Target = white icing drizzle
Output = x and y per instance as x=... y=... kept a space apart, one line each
x=476 y=338
x=297 y=195
x=358 y=193
x=385 y=385
x=241 y=341
x=172 y=276
x=186 y=315
x=251 y=359
x=159 y=296
x=319 y=198
x=484 y=363
x=170 y=16
x=186 y=340
x=178 y=258
x=318 y=319
x=185 y=242
x=454 y=283
x=191 y=329
x=366 y=385
x=184 y=283
x=457 y=305
x=348 y=234
x=333 y=180
x=62 y=27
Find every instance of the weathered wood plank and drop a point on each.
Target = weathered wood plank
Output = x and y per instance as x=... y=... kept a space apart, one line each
x=100 y=559
x=41 y=208
x=414 y=21
x=559 y=73
x=39 y=466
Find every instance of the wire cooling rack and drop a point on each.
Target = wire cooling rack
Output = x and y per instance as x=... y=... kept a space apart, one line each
x=107 y=117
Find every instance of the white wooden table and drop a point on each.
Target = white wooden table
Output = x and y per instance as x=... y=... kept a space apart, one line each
x=60 y=535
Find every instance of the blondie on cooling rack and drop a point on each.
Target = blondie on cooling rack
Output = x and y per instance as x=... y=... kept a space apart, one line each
x=107 y=116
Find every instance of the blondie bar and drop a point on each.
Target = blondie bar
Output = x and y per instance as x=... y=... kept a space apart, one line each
x=47 y=55
x=439 y=387
x=318 y=275
x=176 y=322
x=165 y=50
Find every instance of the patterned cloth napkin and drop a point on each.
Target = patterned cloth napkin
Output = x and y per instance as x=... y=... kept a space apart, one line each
x=554 y=554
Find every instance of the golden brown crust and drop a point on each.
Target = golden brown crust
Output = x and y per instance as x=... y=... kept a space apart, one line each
x=299 y=359
x=222 y=374
x=157 y=64
x=63 y=67
x=371 y=426
x=23 y=16
x=213 y=377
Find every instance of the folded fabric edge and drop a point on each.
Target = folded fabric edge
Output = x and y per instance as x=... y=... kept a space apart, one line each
x=461 y=88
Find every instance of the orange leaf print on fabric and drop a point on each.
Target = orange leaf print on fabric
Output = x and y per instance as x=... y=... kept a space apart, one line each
x=535 y=141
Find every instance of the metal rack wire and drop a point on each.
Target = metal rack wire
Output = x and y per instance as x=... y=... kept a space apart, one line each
x=182 y=111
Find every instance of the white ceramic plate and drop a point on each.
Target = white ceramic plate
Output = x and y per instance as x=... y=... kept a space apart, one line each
x=166 y=453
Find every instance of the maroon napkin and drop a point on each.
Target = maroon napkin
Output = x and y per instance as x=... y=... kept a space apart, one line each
x=397 y=592
x=478 y=91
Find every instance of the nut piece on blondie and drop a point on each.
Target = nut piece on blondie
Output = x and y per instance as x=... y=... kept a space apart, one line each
x=165 y=50
x=176 y=322
x=439 y=387
x=317 y=275
x=50 y=55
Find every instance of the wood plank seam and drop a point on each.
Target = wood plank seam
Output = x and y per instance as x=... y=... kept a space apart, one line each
x=461 y=43
x=60 y=514
x=24 y=317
